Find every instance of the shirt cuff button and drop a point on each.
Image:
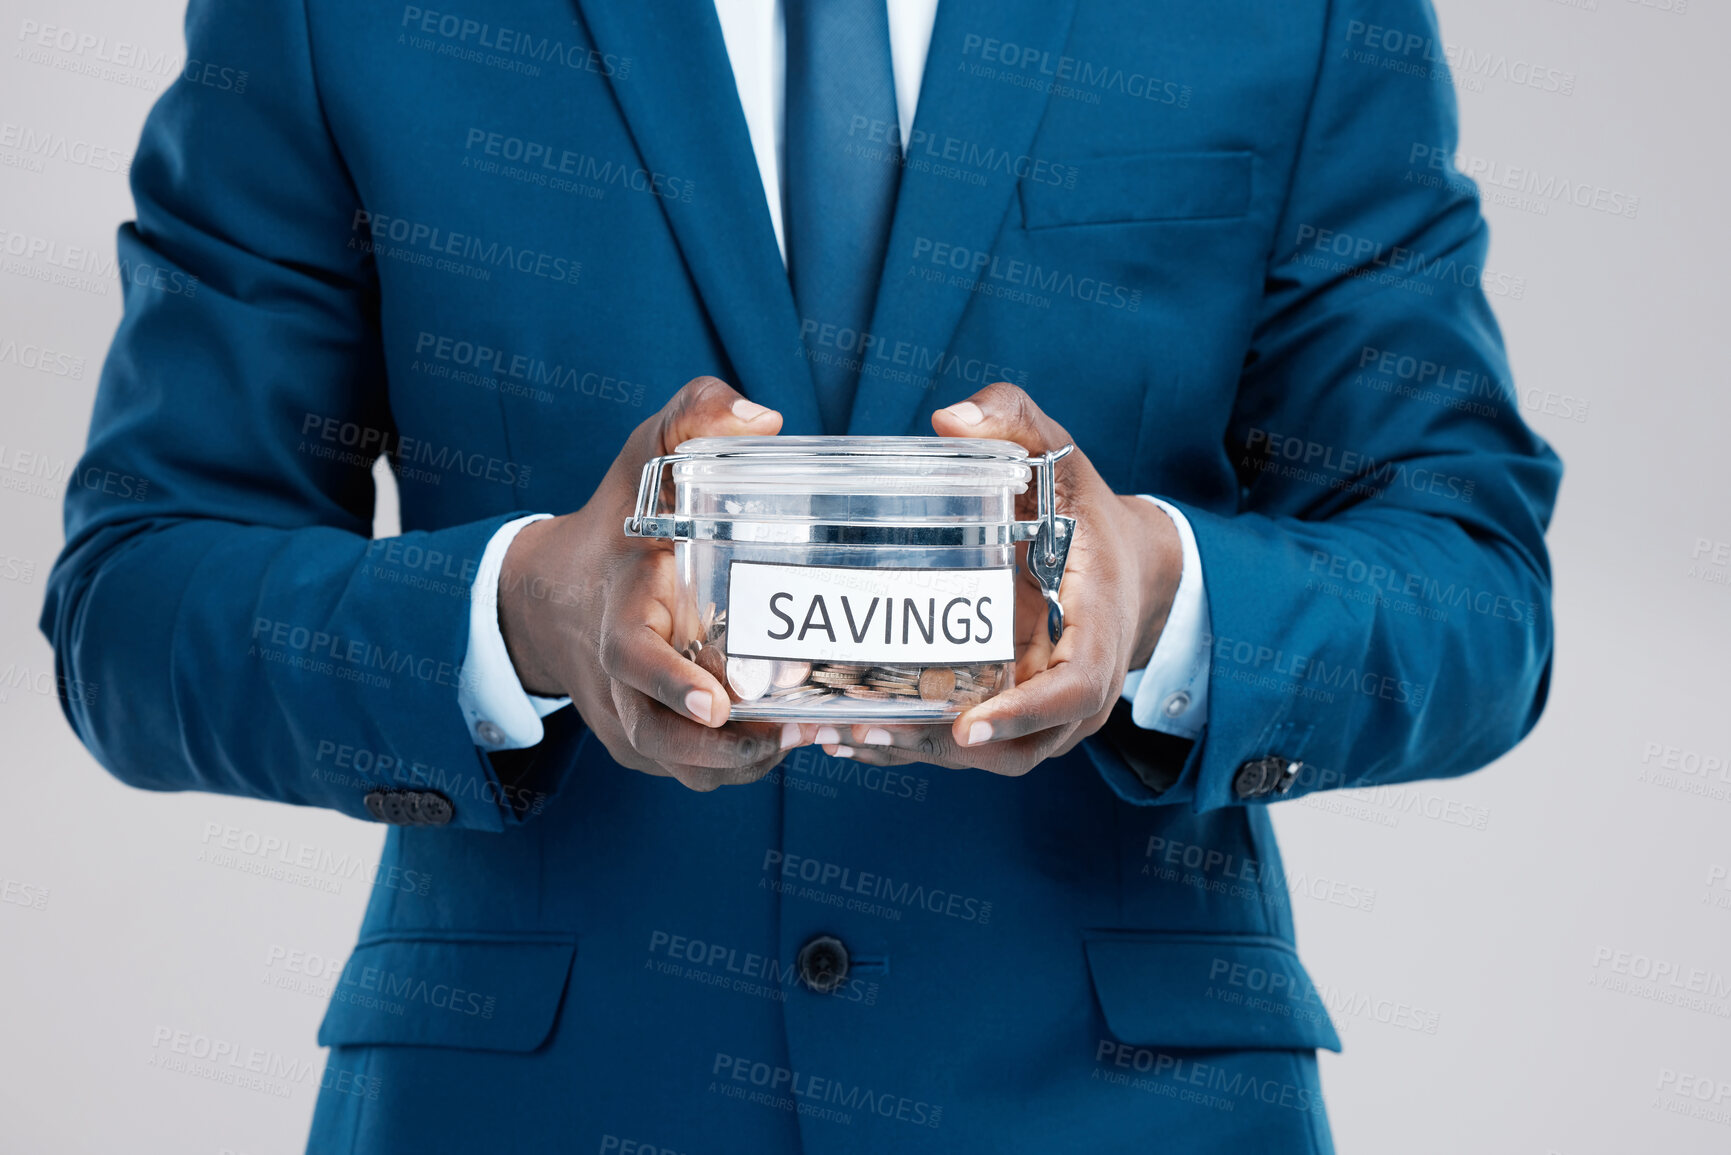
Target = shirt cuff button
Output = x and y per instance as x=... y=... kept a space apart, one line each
x=490 y=734
x=1176 y=703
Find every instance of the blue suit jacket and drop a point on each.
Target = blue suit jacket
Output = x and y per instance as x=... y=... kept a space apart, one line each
x=1205 y=237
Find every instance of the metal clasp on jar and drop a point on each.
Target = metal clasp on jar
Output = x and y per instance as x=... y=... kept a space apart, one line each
x=1050 y=548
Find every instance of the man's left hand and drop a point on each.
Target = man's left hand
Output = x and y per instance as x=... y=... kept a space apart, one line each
x=1122 y=572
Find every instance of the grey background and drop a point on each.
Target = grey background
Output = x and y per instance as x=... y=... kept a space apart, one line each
x=1469 y=948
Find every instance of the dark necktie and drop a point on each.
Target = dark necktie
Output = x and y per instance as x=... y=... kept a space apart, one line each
x=843 y=160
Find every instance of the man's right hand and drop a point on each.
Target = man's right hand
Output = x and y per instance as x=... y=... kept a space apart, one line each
x=590 y=613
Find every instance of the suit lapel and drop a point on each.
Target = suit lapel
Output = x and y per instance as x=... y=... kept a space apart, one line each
x=964 y=123
x=683 y=109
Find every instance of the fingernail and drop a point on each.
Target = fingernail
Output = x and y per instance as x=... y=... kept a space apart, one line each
x=789 y=735
x=748 y=410
x=844 y=751
x=979 y=732
x=699 y=703
x=966 y=412
x=877 y=736
x=828 y=736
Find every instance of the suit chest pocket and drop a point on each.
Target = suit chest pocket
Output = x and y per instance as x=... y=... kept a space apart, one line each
x=1147 y=187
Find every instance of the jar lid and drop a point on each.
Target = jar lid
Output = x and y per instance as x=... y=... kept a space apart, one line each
x=826 y=464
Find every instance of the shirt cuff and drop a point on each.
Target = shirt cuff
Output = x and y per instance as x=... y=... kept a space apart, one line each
x=1170 y=694
x=500 y=713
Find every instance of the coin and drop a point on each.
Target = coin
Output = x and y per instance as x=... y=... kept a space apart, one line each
x=789 y=674
x=866 y=693
x=937 y=683
x=790 y=683
x=748 y=677
x=713 y=661
x=800 y=695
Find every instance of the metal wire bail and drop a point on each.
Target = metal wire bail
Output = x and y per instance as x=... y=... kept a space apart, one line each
x=1051 y=545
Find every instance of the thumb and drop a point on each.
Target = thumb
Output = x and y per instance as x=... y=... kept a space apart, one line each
x=704 y=407
x=710 y=407
x=1004 y=412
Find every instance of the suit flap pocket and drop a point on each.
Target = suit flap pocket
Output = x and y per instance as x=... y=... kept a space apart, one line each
x=1209 y=991
x=446 y=989
x=1161 y=186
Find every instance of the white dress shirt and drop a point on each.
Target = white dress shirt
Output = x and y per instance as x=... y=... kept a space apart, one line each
x=1170 y=694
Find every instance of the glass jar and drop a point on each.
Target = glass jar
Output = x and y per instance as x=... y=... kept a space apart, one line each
x=852 y=579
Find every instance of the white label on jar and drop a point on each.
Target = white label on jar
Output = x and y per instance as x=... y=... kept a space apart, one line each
x=855 y=614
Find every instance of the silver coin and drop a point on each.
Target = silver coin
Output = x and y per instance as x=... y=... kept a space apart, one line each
x=789 y=674
x=749 y=677
x=799 y=696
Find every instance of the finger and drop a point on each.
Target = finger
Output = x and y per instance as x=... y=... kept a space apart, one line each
x=1070 y=690
x=870 y=756
x=680 y=745
x=640 y=657
x=1017 y=756
x=1009 y=758
x=618 y=742
x=909 y=745
x=932 y=744
x=709 y=407
x=889 y=756
x=1005 y=412
x=704 y=778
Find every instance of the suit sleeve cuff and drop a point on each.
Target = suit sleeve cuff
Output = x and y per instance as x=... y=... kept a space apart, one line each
x=500 y=713
x=1170 y=694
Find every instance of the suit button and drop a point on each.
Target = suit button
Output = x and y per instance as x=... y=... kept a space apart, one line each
x=823 y=963
x=375 y=804
x=1247 y=783
x=430 y=808
x=1261 y=777
x=396 y=808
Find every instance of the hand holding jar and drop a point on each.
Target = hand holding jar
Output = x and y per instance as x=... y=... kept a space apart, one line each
x=1124 y=562
x=605 y=639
